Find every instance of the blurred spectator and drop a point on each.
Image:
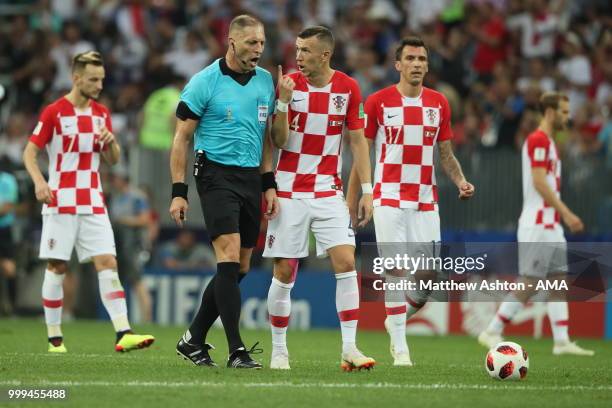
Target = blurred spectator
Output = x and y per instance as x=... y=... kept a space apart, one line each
x=158 y=117
x=62 y=51
x=14 y=139
x=130 y=215
x=536 y=75
x=8 y=202
x=489 y=31
x=537 y=29
x=186 y=253
x=454 y=68
x=367 y=73
x=605 y=135
x=575 y=69
x=191 y=57
x=506 y=107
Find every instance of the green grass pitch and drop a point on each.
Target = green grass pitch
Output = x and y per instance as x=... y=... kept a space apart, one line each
x=448 y=371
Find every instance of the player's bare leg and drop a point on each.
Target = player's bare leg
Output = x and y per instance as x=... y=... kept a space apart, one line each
x=113 y=299
x=279 y=309
x=53 y=300
x=558 y=314
x=347 y=304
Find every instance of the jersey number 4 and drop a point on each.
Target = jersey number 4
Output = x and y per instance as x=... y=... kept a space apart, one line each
x=295 y=123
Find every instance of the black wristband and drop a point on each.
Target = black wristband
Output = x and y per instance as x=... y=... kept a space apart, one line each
x=179 y=190
x=268 y=181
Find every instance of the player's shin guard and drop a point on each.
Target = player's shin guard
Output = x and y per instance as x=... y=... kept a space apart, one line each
x=506 y=312
x=279 y=309
x=347 y=305
x=113 y=299
x=558 y=314
x=53 y=299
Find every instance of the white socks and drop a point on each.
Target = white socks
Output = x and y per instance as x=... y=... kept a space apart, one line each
x=113 y=298
x=558 y=314
x=279 y=309
x=347 y=305
x=396 y=314
x=53 y=300
x=506 y=312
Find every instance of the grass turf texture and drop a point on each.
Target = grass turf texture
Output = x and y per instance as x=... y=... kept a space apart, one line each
x=448 y=371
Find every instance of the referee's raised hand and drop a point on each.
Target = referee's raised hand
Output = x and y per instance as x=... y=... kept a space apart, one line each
x=178 y=210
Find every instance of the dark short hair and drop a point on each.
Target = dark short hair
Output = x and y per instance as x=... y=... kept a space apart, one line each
x=323 y=34
x=242 y=21
x=412 y=41
x=550 y=100
x=81 y=60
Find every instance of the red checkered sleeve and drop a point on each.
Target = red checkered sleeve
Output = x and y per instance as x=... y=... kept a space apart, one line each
x=446 y=132
x=43 y=132
x=537 y=149
x=371 y=117
x=354 y=113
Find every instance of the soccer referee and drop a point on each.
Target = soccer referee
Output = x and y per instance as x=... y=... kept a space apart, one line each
x=226 y=106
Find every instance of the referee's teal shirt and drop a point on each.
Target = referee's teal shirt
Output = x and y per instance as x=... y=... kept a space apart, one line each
x=232 y=116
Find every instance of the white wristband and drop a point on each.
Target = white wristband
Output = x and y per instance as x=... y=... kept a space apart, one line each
x=281 y=106
x=366 y=188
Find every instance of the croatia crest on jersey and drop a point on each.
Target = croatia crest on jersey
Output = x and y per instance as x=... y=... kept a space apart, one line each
x=431 y=117
x=339 y=102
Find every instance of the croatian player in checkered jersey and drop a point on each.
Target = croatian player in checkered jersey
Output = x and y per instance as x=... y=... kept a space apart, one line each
x=405 y=121
x=313 y=107
x=542 y=246
x=76 y=130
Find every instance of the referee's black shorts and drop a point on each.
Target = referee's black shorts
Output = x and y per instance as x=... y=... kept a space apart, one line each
x=7 y=247
x=231 y=201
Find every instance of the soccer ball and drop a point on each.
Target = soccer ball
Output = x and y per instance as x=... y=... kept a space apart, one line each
x=507 y=361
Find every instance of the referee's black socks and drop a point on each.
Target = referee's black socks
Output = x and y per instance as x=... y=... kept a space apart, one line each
x=227 y=297
x=207 y=313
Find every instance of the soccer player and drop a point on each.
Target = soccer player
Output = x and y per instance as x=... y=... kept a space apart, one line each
x=314 y=106
x=542 y=244
x=406 y=121
x=226 y=105
x=76 y=131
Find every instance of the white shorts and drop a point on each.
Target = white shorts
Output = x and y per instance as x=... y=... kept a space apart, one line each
x=397 y=226
x=91 y=235
x=541 y=251
x=328 y=218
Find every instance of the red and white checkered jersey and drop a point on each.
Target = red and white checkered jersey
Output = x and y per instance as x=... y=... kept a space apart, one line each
x=310 y=165
x=71 y=138
x=405 y=131
x=539 y=150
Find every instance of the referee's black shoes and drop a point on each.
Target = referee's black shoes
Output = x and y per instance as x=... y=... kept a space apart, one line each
x=241 y=358
x=198 y=355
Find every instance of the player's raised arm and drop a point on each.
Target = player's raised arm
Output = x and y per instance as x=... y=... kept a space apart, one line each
x=180 y=146
x=280 y=124
x=451 y=166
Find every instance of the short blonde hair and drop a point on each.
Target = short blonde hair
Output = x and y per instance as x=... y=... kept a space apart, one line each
x=81 y=60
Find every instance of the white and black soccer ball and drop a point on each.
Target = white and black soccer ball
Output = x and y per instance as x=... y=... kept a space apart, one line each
x=507 y=361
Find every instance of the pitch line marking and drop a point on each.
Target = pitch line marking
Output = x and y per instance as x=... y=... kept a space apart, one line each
x=380 y=385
